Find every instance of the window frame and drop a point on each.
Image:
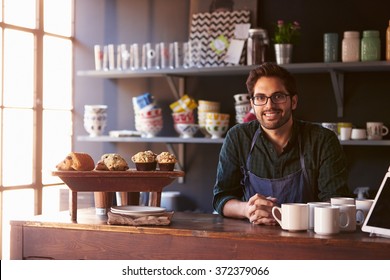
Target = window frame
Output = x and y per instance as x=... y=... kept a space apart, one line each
x=38 y=32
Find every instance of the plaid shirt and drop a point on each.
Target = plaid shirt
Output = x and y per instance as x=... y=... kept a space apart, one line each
x=325 y=161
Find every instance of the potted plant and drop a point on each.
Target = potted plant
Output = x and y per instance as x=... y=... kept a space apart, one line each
x=286 y=35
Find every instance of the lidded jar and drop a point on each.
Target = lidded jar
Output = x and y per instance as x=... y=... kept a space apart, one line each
x=257 y=45
x=370 y=46
x=351 y=46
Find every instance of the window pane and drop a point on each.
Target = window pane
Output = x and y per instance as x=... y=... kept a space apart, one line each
x=57 y=141
x=17 y=204
x=18 y=68
x=17 y=147
x=20 y=12
x=57 y=73
x=58 y=17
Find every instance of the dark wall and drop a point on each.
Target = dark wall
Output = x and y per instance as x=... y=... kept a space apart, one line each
x=367 y=95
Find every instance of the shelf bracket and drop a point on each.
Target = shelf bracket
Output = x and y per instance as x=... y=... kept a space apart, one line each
x=338 y=89
x=176 y=91
x=180 y=155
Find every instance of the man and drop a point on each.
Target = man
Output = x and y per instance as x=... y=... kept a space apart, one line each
x=276 y=159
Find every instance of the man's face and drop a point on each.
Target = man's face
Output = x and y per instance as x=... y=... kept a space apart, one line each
x=270 y=115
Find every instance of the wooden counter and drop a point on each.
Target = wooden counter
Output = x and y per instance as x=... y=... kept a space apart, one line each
x=189 y=236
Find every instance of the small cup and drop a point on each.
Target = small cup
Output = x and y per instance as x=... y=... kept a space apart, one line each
x=135 y=60
x=327 y=220
x=350 y=215
x=111 y=57
x=358 y=134
x=95 y=119
x=342 y=200
x=294 y=216
x=365 y=206
x=103 y=202
x=343 y=124
x=312 y=205
x=376 y=130
x=345 y=133
x=98 y=52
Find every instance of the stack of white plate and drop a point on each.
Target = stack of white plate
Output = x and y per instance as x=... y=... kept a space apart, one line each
x=137 y=211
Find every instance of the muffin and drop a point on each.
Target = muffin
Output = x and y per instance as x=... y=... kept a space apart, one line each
x=166 y=161
x=145 y=161
x=112 y=162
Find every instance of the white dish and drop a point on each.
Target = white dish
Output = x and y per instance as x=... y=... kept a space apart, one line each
x=137 y=210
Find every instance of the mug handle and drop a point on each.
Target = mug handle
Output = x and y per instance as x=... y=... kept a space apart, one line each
x=385 y=130
x=359 y=223
x=347 y=223
x=274 y=215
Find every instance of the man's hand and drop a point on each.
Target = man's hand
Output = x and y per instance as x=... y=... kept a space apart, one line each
x=258 y=210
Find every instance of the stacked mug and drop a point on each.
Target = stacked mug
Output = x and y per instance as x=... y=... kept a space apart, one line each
x=95 y=119
x=148 y=116
x=242 y=106
x=204 y=107
x=183 y=116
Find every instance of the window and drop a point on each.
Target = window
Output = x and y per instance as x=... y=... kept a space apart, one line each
x=35 y=105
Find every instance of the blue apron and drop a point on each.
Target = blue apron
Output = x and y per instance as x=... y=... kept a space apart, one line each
x=294 y=187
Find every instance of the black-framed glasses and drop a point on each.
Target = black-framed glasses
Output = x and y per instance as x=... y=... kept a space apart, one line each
x=276 y=98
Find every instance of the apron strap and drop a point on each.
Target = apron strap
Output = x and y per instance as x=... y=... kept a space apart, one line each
x=248 y=160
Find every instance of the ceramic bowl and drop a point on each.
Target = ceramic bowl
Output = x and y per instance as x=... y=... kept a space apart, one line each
x=217 y=116
x=186 y=130
x=242 y=98
x=183 y=117
x=217 y=131
x=95 y=109
x=153 y=113
x=243 y=108
x=150 y=127
x=208 y=106
x=204 y=131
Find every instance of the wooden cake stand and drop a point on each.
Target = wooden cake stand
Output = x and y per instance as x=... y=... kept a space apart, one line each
x=116 y=181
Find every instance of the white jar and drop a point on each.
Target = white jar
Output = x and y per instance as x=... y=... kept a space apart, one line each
x=351 y=46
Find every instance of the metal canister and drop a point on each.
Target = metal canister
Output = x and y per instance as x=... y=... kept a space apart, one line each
x=257 y=45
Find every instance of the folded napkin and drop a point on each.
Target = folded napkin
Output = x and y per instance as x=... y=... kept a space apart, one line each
x=157 y=219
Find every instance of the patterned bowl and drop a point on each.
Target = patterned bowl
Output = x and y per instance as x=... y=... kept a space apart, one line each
x=186 y=130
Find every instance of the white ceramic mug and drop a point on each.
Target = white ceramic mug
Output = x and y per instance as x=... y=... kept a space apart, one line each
x=358 y=134
x=365 y=206
x=376 y=130
x=342 y=200
x=350 y=212
x=345 y=133
x=312 y=205
x=294 y=216
x=327 y=220
x=95 y=119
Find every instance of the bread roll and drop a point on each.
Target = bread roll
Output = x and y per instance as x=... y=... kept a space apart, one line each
x=76 y=162
x=112 y=162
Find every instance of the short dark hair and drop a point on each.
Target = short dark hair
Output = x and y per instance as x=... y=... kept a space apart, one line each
x=269 y=69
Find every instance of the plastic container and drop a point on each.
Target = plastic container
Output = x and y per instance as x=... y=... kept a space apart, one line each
x=351 y=47
x=370 y=46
